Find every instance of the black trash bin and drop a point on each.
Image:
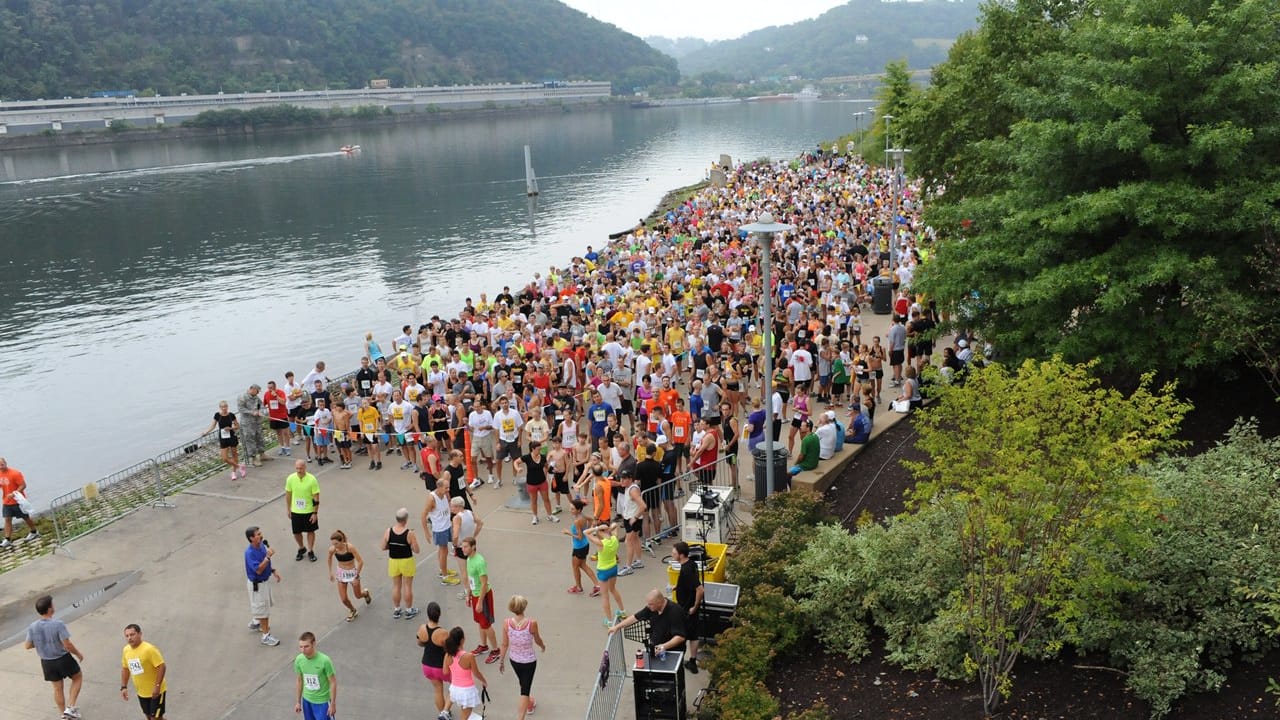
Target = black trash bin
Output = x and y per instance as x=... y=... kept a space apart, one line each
x=881 y=295
x=779 y=467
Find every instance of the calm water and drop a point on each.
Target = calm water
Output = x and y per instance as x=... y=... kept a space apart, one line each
x=144 y=283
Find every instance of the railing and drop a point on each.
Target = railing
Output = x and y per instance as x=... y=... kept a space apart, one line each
x=606 y=691
x=678 y=490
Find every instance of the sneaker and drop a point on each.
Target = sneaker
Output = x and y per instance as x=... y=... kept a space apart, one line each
x=282 y=451
x=311 y=556
x=637 y=565
x=368 y=597
x=449 y=580
x=444 y=715
x=242 y=472
x=406 y=466
x=255 y=626
x=270 y=640
x=619 y=615
x=344 y=466
x=535 y=520
x=533 y=705
x=480 y=650
x=372 y=464
x=6 y=543
x=557 y=511
x=692 y=666
x=491 y=479
x=553 y=518
x=411 y=613
x=297 y=441
x=607 y=622
x=379 y=466
x=475 y=484
x=574 y=590
x=625 y=570
x=71 y=713
x=395 y=614
x=499 y=483
x=287 y=452
x=595 y=591
x=301 y=554
x=648 y=547
x=233 y=475
x=493 y=657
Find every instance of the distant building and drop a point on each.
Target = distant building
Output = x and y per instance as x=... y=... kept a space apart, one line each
x=379 y=84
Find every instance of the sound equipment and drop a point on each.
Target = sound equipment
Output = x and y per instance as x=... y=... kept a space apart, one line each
x=719 y=603
x=659 y=687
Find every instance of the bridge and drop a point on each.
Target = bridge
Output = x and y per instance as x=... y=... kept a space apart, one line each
x=871 y=77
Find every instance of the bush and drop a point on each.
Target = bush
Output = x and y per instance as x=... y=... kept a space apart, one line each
x=781 y=527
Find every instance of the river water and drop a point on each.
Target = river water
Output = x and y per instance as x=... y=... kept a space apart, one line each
x=142 y=283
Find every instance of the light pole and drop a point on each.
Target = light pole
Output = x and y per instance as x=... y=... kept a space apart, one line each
x=857 y=124
x=765 y=228
x=898 y=155
x=887 y=120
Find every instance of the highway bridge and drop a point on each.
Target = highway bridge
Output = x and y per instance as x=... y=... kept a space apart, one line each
x=32 y=116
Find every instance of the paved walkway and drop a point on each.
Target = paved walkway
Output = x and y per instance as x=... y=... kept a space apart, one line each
x=190 y=599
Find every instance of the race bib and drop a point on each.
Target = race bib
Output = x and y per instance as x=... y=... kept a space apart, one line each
x=299 y=504
x=135 y=666
x=517 y=378
x=275 y=405
x=365 y=384
x=398 y=414
x=599 y=415
x=310 y=681
x=700 y=374
x=225 y=433
x=508 y=425
x=679 y=431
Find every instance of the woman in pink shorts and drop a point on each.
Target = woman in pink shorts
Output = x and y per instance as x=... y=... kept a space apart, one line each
x=431 y=638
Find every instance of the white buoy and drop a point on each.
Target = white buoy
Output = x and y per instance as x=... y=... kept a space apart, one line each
x=530 y=180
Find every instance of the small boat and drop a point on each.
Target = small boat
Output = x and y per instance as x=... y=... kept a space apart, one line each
x=348 y=149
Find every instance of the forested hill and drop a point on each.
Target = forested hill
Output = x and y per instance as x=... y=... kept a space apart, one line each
x=855 y=38
x=53 y=48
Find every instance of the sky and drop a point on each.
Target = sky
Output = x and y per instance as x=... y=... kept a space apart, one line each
x=707 y=19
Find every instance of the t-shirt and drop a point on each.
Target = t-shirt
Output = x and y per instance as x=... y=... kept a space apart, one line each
x=276 y=404
x=304 y=490
x=10 y=481
x=481 y=423
x=664 y=625
x=48 y=635
x=401 y=415
x=809 y=447
x=476 y=569
x=687 y=584
x=369 y=417
x=509 y=424
x=535 y=470
x=608 y=555
x=316 y=672
x=142 y=662
x=826 y=440
x=253 y=557
x=599 y=415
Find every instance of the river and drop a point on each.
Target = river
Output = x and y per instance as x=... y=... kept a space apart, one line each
x=142 y=283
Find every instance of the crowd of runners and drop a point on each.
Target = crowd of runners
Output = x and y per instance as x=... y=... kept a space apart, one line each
x=596 y=384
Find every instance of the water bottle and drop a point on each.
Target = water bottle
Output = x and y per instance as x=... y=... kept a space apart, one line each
x=662 y=653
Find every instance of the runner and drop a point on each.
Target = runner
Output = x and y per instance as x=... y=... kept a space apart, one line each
x=350 y=566
x=302 y=505
x=465 y=525
x=143 y=662
x=401 y=544
x=607 y=569
x=228 y=442
x=463 y=673
x=534 y=467
x=432 y=639
x=278 y=415
x=51 y=640
x=12 y=481
x=578 y=524
x=437 y=522
x=519 y=635
x=481 y=600
x=317 y=688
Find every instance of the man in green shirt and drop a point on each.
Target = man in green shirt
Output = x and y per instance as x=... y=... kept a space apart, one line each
x=481 y=601
x=809 y=449
x=317 y=684
x=302 y=502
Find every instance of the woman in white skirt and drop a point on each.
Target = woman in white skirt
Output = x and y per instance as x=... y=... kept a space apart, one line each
x=350 y=564
x=465 y=678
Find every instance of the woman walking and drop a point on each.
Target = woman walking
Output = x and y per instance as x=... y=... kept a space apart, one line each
x=463 y=674
x=578 y=559
x=432 y=639
x=350 y=565
x=607 y=569
x=228 y=440
x=519 y=635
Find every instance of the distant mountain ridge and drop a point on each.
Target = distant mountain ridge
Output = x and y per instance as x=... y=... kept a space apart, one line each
x=52 y=48
x=852 y=39
x=676 y=47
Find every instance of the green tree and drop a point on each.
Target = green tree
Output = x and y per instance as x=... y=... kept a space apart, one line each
x=1044 y=462
x=895 y=97
x=1132 y=156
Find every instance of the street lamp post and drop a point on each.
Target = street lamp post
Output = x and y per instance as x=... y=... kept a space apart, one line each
x=765 y=228
x=857 y=120
x=898 y=155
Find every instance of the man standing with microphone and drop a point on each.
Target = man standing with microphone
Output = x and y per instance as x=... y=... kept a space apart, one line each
x=257 y=567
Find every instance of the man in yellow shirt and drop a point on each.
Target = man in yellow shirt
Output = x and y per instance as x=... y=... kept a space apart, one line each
x=370 y=420
x=143 y=662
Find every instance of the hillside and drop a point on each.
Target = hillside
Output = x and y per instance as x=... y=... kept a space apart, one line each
x=676 y=47
x=855 y=38
x=54 y=48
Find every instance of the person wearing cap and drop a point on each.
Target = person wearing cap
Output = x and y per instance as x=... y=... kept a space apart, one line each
x=826 y=433
x=859 y=425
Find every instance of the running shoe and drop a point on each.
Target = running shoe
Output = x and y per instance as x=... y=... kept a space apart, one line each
x=270 y=640
x=493 y=657
x=625 y=570
x=491 y=479
x=242 y=472
x=533 y=705
x=607 y=622
x=233 y=475
x=372 y=464
x=554 y=519
x=574 y=590
x=395 y=614
x=475 y=484
x=6 y=543
x=535 y=520
x=301 y=554
x=282 y=452
x=557 y=511
x=595 y=591
x=480 y=650
x=353 y=615
x=379 y=466
x=648 y=547
x=255 y=626
x=637 y=565
x=411 y=613
x=311 y=556
x=449 y=580
x=297 y=441
x=406 y=466
x=32 y=535
x=368 y=597
x=619 y=615
x=71 y=713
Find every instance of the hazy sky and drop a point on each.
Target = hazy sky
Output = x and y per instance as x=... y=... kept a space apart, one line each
x=709 y=19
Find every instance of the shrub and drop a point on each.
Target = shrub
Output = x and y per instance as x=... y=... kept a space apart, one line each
x=781 y=526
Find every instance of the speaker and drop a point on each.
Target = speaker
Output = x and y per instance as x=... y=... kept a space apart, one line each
x=659 y=688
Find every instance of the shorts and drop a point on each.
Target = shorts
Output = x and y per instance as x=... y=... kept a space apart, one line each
x=482 y=446
x=559 y=485
x=441 y=538
x=344 y=444
x=314 y=711
x=302 y=523
x=581 y=553
x=275 y=425
x=650 y=497
x=153 y=706
x=457 y=552
x=482 y=610
x=796 y=422
x=536 y=489
x=507 y=450
x=434 y=673
x=401 y=567
x=692 y=626
x=680 y=450
x=895 y=357
x=14 y=511
x=879 y=374
x=260 y=599
x=346 y=575
x=465 y=697
x=60 y=669
x=627 y=407
x=370 y=439
x=228 y=442
x=633 y=526
x=297 y=413
x=608 y=574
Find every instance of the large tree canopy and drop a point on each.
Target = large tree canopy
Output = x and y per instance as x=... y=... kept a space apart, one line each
x=1108 y=167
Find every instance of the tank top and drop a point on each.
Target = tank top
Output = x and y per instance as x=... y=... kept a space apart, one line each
x=398 y=544
x=466 y=528
x=608 y=555
x=578 y=537
x=730 y=437
x=603 y=500
x=344 y=557
x=460 y=676
x=627 y=505
x=520 y=641
x=432 y=654
x=439 y=516
x=708 y=457
x=802 y=407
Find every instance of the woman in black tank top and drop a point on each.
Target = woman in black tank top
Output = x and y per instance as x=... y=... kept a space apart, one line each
x=350 y=564
x=431 y=639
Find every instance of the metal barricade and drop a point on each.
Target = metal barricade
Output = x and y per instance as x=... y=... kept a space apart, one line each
x=671 y=495
x=606 y=691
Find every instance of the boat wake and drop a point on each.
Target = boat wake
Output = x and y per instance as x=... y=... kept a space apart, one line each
x=220 y=166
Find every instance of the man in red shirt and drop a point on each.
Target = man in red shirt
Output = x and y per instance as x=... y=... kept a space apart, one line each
x=681 y=430
x=278 y=414
x=11 y=481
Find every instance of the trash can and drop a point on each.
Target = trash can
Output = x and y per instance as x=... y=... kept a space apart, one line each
x=779 y=467
x=881 y=295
